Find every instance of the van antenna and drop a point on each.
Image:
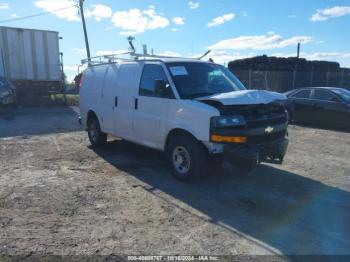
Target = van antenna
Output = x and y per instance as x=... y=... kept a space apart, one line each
x=205 y=54
x=132 y=47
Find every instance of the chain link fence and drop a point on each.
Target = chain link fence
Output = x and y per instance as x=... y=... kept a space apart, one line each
x=283 y=74
x=282 y=81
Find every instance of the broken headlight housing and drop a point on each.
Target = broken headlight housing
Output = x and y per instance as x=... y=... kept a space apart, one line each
x=227 y=121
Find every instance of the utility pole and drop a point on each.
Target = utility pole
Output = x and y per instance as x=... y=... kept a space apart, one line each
x=81 y=4
x=62 y=68
x=298 y=51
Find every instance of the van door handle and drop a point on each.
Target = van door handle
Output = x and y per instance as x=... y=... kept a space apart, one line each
x=116 y=101
x=136 y=103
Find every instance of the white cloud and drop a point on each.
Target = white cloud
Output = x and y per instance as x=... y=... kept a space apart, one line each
x=327 y=13
x=70 y=14
x=244 y=14
x=136 y=21
x=179 y=20
x=78 y=51
x=4 y=6
x=71 y=71
x=260 y=42
x=193 y=5
x=99 y=12
x=170 y=53
x=14 y=16
x=174 y=30
x=326 y=55
x=221 y=19
x=343 y=58
x=70 y=68
x=110 y=52
x=223 y=57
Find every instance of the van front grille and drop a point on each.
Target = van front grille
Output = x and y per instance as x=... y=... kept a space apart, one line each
x=267 y=121
x=266 y=138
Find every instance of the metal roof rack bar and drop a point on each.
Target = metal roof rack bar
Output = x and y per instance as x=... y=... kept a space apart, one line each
x=112 y=58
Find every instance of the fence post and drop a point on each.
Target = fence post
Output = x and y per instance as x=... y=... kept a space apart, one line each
x=327 y=77
x=312 y=76
x=250 y=77
x=294 y=76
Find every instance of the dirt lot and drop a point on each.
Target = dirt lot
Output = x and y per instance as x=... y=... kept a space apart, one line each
x=58 y=196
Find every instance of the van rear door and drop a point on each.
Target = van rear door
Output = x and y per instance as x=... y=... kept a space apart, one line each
x=123 y=99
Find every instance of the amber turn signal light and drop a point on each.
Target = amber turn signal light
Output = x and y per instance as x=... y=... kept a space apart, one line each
x=228 y=139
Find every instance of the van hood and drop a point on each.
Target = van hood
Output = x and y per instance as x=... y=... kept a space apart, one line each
x=245 y=97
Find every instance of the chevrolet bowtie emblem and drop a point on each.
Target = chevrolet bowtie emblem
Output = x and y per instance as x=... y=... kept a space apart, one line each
x=269 y=129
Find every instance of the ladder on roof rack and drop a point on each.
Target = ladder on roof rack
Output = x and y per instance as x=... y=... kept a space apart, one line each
x=112 y=58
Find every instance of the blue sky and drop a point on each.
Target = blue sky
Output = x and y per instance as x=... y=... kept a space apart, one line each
x=231 y=28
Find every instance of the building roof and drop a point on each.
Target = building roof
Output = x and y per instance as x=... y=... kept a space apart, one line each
x=30 y=29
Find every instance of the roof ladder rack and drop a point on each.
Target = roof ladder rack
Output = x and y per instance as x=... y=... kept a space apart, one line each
x=112 y=58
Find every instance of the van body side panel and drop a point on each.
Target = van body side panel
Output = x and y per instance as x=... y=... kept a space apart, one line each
x=108 y=103
x=127 y=85
x=191 y=116
x=150 y=121
x=91 y=91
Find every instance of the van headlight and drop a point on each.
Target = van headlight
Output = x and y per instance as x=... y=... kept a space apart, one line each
x=227 y=121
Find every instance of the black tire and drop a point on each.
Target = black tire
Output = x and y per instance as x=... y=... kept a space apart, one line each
x=197 y=153
x=96 y=136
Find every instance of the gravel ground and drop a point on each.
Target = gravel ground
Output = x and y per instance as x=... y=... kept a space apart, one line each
x=60 y=197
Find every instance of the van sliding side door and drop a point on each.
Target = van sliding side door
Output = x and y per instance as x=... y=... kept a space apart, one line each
x=106 y=102
x=123 y=99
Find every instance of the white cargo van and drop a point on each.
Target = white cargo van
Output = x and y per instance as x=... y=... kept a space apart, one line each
x=188 y=108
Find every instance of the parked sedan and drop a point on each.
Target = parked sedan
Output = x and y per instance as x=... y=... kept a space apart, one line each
x=320 y=105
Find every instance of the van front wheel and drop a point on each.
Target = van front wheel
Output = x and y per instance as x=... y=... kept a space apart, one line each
x=96 y=136
x=186 y=157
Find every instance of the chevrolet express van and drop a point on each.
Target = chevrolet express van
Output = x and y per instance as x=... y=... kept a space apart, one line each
x=190 y=109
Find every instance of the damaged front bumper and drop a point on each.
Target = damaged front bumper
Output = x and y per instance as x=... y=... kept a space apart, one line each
x=248 y=156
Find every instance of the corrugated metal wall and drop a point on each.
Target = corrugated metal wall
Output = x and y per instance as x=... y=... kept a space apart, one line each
x=29 y=54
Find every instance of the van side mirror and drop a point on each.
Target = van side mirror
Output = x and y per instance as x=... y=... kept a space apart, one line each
x=161 y=87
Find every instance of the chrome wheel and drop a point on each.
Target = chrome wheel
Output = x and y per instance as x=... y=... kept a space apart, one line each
x=181 y=160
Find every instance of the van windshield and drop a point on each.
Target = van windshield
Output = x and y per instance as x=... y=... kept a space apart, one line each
x=194 y=79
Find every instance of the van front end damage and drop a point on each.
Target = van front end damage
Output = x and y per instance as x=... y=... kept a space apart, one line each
x=251 y=134
x=248 y=156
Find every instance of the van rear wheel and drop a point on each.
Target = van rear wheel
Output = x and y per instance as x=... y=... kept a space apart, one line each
x=186 y=157
x=96 y=136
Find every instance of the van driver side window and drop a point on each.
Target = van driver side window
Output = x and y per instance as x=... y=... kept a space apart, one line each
x=150 y=74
